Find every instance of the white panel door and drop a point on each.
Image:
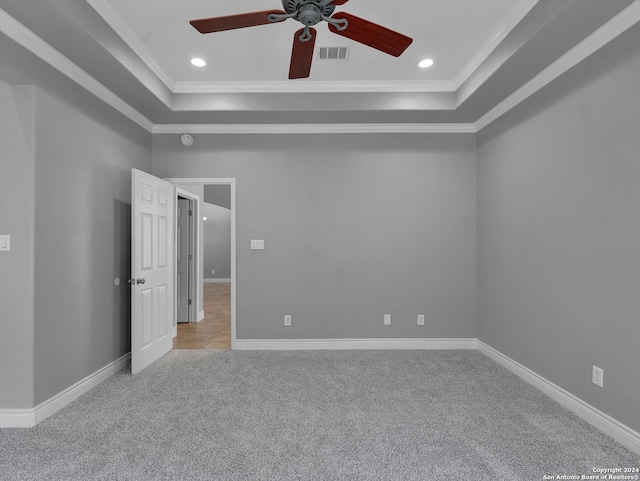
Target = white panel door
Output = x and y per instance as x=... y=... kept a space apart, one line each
x=152 y=268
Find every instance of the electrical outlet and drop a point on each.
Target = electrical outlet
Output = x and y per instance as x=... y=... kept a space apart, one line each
x=597 y=376
x=421 y=319
x=287 y=321
x=213 y=271
x=387 y=319
x=5 y=243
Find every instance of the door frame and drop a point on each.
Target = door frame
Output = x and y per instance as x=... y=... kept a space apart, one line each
x=230 y=181
x=194 y=294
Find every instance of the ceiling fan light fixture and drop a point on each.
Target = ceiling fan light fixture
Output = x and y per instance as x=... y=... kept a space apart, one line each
x=425 y=63
x=310 y=13
x=198 y=62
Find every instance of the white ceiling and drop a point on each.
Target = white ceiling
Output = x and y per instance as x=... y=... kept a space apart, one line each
x=457 y=34
x=134 y=54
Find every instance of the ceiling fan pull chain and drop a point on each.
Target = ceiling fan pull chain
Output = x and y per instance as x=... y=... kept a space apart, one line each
x=339 y=24
x=275 y=17
x=306 y=35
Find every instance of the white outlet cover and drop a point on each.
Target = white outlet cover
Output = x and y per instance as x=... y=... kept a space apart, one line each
x=420 y=319
x=597 y=376
x=387 y=319
x=5 y=242
x=287 y=321
x=257 y=244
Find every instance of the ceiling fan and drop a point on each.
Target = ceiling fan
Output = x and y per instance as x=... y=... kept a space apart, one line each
x=309 y=13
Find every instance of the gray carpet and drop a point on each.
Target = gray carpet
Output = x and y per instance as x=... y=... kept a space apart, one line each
x=314 y=415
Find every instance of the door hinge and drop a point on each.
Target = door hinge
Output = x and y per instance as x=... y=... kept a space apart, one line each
x=190 y=257
x=189 y=302
x=190 y=213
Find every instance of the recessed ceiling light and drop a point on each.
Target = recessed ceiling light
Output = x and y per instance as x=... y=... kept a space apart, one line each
x=198 y=62
x=425 y=63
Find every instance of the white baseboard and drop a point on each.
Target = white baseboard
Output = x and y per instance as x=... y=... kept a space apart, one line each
x=211 y=281
x=605 y=423
x=17 y=418
x=338 y=344
x=27 y=418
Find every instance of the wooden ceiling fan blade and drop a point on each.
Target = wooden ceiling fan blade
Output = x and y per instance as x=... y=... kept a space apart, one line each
x=302 y=55
x=339 y=2
x=231 y=22
x=371 y=34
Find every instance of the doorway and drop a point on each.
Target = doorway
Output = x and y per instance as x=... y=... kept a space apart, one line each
x=214 y=331
x=185 y=272
x=205 y=285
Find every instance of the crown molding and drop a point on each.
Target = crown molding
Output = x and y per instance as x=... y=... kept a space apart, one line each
x=313 y=86
x=626 y=19
x=117 y=23
x=605 y=34
x=314 y=128
x=119 y=26
x=29 y=40
x=480 y=58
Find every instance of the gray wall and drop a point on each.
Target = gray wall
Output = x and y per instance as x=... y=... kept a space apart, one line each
x=217 y=241
x=17 y=198
x=84 y=152
x=355 y=226
x=218 y=195
x=559 y=231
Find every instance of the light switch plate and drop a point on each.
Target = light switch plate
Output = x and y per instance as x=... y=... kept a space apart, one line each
x=5 y=242
x=257 y=244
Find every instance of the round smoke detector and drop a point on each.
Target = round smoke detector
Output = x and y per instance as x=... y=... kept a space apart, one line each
x=186 y=139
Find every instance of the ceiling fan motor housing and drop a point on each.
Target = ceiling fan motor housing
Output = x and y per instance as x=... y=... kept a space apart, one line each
x=309 y=11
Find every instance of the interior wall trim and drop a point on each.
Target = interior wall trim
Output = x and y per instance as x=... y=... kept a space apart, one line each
x=26 y=418
x=332 y=86
x=29 y=40
x=475 y=63
x=313 y=128
x=119 y=26
x=605 y=423
x=619 y=24
x=605 y=34
x=213 y=280
x=340 y=344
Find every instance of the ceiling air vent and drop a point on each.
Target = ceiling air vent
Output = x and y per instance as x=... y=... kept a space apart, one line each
x=333 y=53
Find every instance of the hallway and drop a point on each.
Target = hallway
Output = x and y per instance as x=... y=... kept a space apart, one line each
x=214 y=331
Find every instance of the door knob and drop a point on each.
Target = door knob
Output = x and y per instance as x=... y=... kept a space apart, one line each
x=137 y=281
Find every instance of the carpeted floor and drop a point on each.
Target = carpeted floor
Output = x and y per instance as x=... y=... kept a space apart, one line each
x=311 y=415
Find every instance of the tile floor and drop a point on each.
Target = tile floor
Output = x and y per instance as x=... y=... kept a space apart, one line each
x=214 y=331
